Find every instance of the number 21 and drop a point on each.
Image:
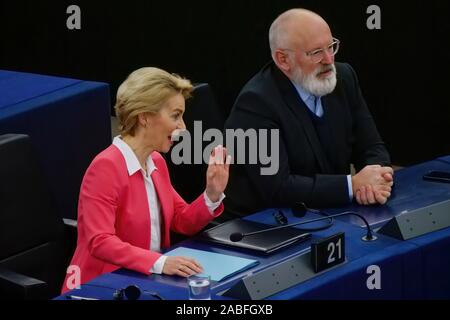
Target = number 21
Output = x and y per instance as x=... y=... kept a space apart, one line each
x=332 y=247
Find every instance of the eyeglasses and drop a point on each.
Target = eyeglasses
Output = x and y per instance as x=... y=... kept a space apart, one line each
x=317 y=55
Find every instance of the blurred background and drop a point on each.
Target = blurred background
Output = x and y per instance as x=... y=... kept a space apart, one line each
x=402 y=68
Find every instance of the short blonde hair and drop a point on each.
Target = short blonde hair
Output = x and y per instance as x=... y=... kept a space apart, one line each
x=146 y=90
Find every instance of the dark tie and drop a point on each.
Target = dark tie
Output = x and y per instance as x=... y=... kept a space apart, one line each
x=315 y=105
x=317 y=111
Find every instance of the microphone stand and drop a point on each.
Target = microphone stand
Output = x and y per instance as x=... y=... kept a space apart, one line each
x=237 y=236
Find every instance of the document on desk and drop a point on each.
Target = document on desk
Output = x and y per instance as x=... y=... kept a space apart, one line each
x=218 y=266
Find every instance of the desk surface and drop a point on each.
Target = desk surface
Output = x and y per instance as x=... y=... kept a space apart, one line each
x=17 y=87
x=410 y=192
x=413 y=269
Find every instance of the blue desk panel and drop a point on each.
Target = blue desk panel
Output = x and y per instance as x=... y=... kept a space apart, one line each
x=17 y=87
x=413 y=269
x=68 y=121
x=434 y=250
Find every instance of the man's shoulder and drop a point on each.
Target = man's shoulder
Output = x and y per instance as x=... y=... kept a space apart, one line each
x=261 y=81
x=345 y=70
x=258 y=102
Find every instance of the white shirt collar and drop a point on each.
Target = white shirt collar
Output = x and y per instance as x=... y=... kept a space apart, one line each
x=131 y=160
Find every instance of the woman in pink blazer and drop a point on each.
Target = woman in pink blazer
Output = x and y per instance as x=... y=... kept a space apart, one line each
x=127 y=204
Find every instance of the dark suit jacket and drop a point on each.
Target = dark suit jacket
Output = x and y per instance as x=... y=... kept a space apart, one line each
x=308 y=171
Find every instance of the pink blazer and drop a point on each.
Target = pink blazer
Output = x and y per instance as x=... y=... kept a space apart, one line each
x=114 y=219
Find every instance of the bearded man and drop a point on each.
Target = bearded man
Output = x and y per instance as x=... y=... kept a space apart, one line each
x=323 y=123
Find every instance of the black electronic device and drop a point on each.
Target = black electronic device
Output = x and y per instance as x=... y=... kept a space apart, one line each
x=265 y=243
x=133 y=292
x=438 y=176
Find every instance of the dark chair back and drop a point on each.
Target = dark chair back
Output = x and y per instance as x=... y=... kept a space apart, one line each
x=31 y=231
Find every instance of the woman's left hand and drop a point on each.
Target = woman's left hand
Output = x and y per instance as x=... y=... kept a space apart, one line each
x=217 y=173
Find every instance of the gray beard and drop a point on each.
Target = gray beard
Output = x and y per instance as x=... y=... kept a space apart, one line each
x=312 y=84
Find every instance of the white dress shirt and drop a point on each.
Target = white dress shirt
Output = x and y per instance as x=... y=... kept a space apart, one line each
x=133 y=166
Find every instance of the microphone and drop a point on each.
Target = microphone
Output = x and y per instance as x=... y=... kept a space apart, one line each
x=238 y=236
